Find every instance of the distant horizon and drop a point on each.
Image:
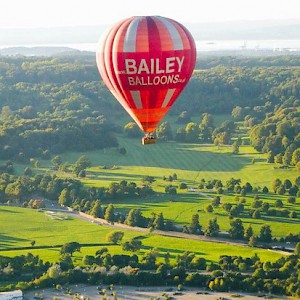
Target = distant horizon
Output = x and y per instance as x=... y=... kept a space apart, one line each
x=288 y=20
x=70 y=13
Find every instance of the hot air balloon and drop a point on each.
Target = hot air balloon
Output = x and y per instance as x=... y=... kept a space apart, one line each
x=146 y=61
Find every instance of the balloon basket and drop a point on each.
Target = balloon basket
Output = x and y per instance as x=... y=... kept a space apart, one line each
x=148 y=140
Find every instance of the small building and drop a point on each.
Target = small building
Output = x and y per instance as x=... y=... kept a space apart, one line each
x=12 y=295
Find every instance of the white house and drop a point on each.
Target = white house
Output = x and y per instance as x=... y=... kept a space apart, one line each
x=12 y=295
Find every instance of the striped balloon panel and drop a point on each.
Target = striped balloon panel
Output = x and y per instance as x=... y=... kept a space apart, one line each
x=146 y=62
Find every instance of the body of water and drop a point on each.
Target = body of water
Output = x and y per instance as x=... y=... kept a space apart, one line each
x=213 y=45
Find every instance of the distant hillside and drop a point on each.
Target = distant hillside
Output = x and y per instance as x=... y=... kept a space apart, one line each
x=247 y=30
x=275 y=29
x=39 y=51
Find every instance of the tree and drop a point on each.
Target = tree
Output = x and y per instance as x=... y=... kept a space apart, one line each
x=265 y=234
x=265 y=190
x=256 y=214
x=122 y=151
x=295 y=157
x=213 y=228
x=164 y=132
x=82 y=163
x=96 y=210
x=195 y=227
x=56 y=161
x=235 y=148
x=158 y=222
x=183 y=186
x=192 y=132
x=297 y=249
x=276 y=184
x=291 y=200
x=54 y=271
x=287 y=184
x=237 y=229
x=248 y=232
x=114 y=237
x=132 y=245
x=64 y=198
x=110 y=213
x=132 y=130
x=209 y=208
x=70 y=248
x=252 y=241
x=88 y=260
x=28 y=171
x=216 y=201
x=184 y=118
x=135 y=218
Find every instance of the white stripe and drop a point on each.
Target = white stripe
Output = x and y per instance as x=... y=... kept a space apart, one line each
x=136 y=96
x=168 y=97
x=130 y=37
x=175 y=36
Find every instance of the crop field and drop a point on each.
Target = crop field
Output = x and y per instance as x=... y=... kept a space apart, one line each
x=19 y=226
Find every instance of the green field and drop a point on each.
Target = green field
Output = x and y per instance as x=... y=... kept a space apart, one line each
x=191 y=163
x=19 y=226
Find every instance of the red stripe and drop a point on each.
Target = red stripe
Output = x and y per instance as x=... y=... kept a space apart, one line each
x=142 y=41
x=154 y=41
x=164 y=35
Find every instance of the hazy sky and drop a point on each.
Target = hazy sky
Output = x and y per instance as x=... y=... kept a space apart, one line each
x=49 y=13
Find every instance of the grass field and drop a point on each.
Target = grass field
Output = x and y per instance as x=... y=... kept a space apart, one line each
x=191 y=163
x=183 y=206
x=19 y=226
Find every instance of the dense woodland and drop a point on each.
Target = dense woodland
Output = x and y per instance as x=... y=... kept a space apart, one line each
x=50 y=105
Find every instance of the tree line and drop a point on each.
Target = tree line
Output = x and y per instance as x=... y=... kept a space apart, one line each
x=230 y=273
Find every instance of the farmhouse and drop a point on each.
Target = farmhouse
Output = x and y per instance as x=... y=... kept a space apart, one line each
x=13 y=295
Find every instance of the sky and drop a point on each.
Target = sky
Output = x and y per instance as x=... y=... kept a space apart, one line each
x=57 y=13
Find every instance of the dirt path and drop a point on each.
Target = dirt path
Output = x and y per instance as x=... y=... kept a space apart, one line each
x=176 y=234
x=103 y=222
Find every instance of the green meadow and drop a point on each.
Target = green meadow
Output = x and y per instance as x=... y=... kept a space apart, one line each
x=19 y=226
x=190 y=162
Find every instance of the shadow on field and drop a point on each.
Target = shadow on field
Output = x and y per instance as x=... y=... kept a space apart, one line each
x=8 y=241
x=5 y=209
x=172 y=251
x=190 y=157
x=113 y=175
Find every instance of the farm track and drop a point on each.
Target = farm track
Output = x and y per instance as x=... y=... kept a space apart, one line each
x=103 y=222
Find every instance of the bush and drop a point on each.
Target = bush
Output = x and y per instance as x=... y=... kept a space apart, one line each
x=291 y=200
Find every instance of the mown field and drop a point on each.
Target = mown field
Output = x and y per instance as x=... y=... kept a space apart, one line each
x=190 y=162
x=19 y=226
